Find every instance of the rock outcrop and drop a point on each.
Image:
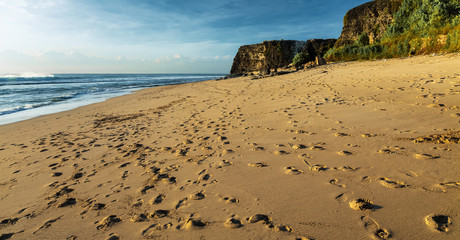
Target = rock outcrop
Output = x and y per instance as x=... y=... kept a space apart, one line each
x=268 y=56
x=317 y=47
x=372 y=18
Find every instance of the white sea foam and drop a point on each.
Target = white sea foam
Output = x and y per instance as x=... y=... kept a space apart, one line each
x=63 y=106
x=27 y=75
x=12 y=109
x=2 y=110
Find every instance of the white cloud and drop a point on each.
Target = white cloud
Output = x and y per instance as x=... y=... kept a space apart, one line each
x=145 y=32
x=76 y=62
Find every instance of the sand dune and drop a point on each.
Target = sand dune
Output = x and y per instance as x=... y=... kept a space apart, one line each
x=359 y=150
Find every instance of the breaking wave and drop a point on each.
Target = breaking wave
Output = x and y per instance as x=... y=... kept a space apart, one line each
x=26 y=75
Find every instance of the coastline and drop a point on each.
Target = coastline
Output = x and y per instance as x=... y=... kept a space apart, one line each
x=68 y=112
x=296 y=149
x=71 y=85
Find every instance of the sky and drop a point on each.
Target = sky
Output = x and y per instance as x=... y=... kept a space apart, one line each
x=156 y=36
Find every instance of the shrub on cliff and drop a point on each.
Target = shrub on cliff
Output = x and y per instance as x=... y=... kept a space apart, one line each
x=419 y=26
x=300 y=59
x=424 y=17
x=363 y=39
x=453 y=41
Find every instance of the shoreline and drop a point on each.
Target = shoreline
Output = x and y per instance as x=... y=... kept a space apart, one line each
x=76 y=102
x=69 y=111
x=283 y=157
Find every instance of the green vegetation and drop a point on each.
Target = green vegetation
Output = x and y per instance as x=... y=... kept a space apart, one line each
x=419 y=27
x=300 y=59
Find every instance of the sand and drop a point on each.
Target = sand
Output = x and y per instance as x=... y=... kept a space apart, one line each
x=358 y=150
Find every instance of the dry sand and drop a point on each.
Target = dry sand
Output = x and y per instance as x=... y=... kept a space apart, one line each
x=330 y=153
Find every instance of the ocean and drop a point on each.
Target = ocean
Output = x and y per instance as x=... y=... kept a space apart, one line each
x=29 y=95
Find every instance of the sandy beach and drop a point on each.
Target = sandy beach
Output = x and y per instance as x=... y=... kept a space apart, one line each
x=357 y=150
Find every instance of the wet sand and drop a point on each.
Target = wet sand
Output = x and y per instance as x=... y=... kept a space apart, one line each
x=359 y=150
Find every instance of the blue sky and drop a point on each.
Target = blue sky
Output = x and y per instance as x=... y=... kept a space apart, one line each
x=157 y=36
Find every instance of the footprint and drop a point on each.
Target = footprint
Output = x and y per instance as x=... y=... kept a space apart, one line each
x=258 y=149
x=343 y=197
x=152 y=230
x=361 y=204
x=222 y=138
x=348 y=168
x=299 y=146
x=97 y=206
x=194 y=224
x=181 y=203
x=336 y=183
x=8 y=221
x=341 y=134
x=260 y=217
x=318 y=168
x=366 y=180
x=166 y=149
x=227 y=151
x=293 y=171
x=424 y=156
x=301 y=132
x=225 y=163
x=204 y=176
x=230 y=200
x=107 y=222
x=139 y=218
x=280 y=152
x=233 y=223
x=450 y=184
x=386 y=151
x=368 y=135
x=159 y=213
x=157 y=200
x=282 y=228
x=392 y=183
x=197 y=196
x=5 y=236
x=138 y=203
x=372 y=226
x=317 y=148
x=112 y=236
x=67 y=202
x=164 y=177
x=344 y=153
x=77 y=175
x=180 y=152
x=438 y=222
x=259 y=164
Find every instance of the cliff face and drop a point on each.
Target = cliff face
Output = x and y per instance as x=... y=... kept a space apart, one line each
x=372 y=18
x=265 y=56
x=271 y=55
x=317 y=47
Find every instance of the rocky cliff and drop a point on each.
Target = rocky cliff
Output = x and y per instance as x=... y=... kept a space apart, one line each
x=270 y=55
x=317 y=47
x=372 y=18
x=263 y=57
